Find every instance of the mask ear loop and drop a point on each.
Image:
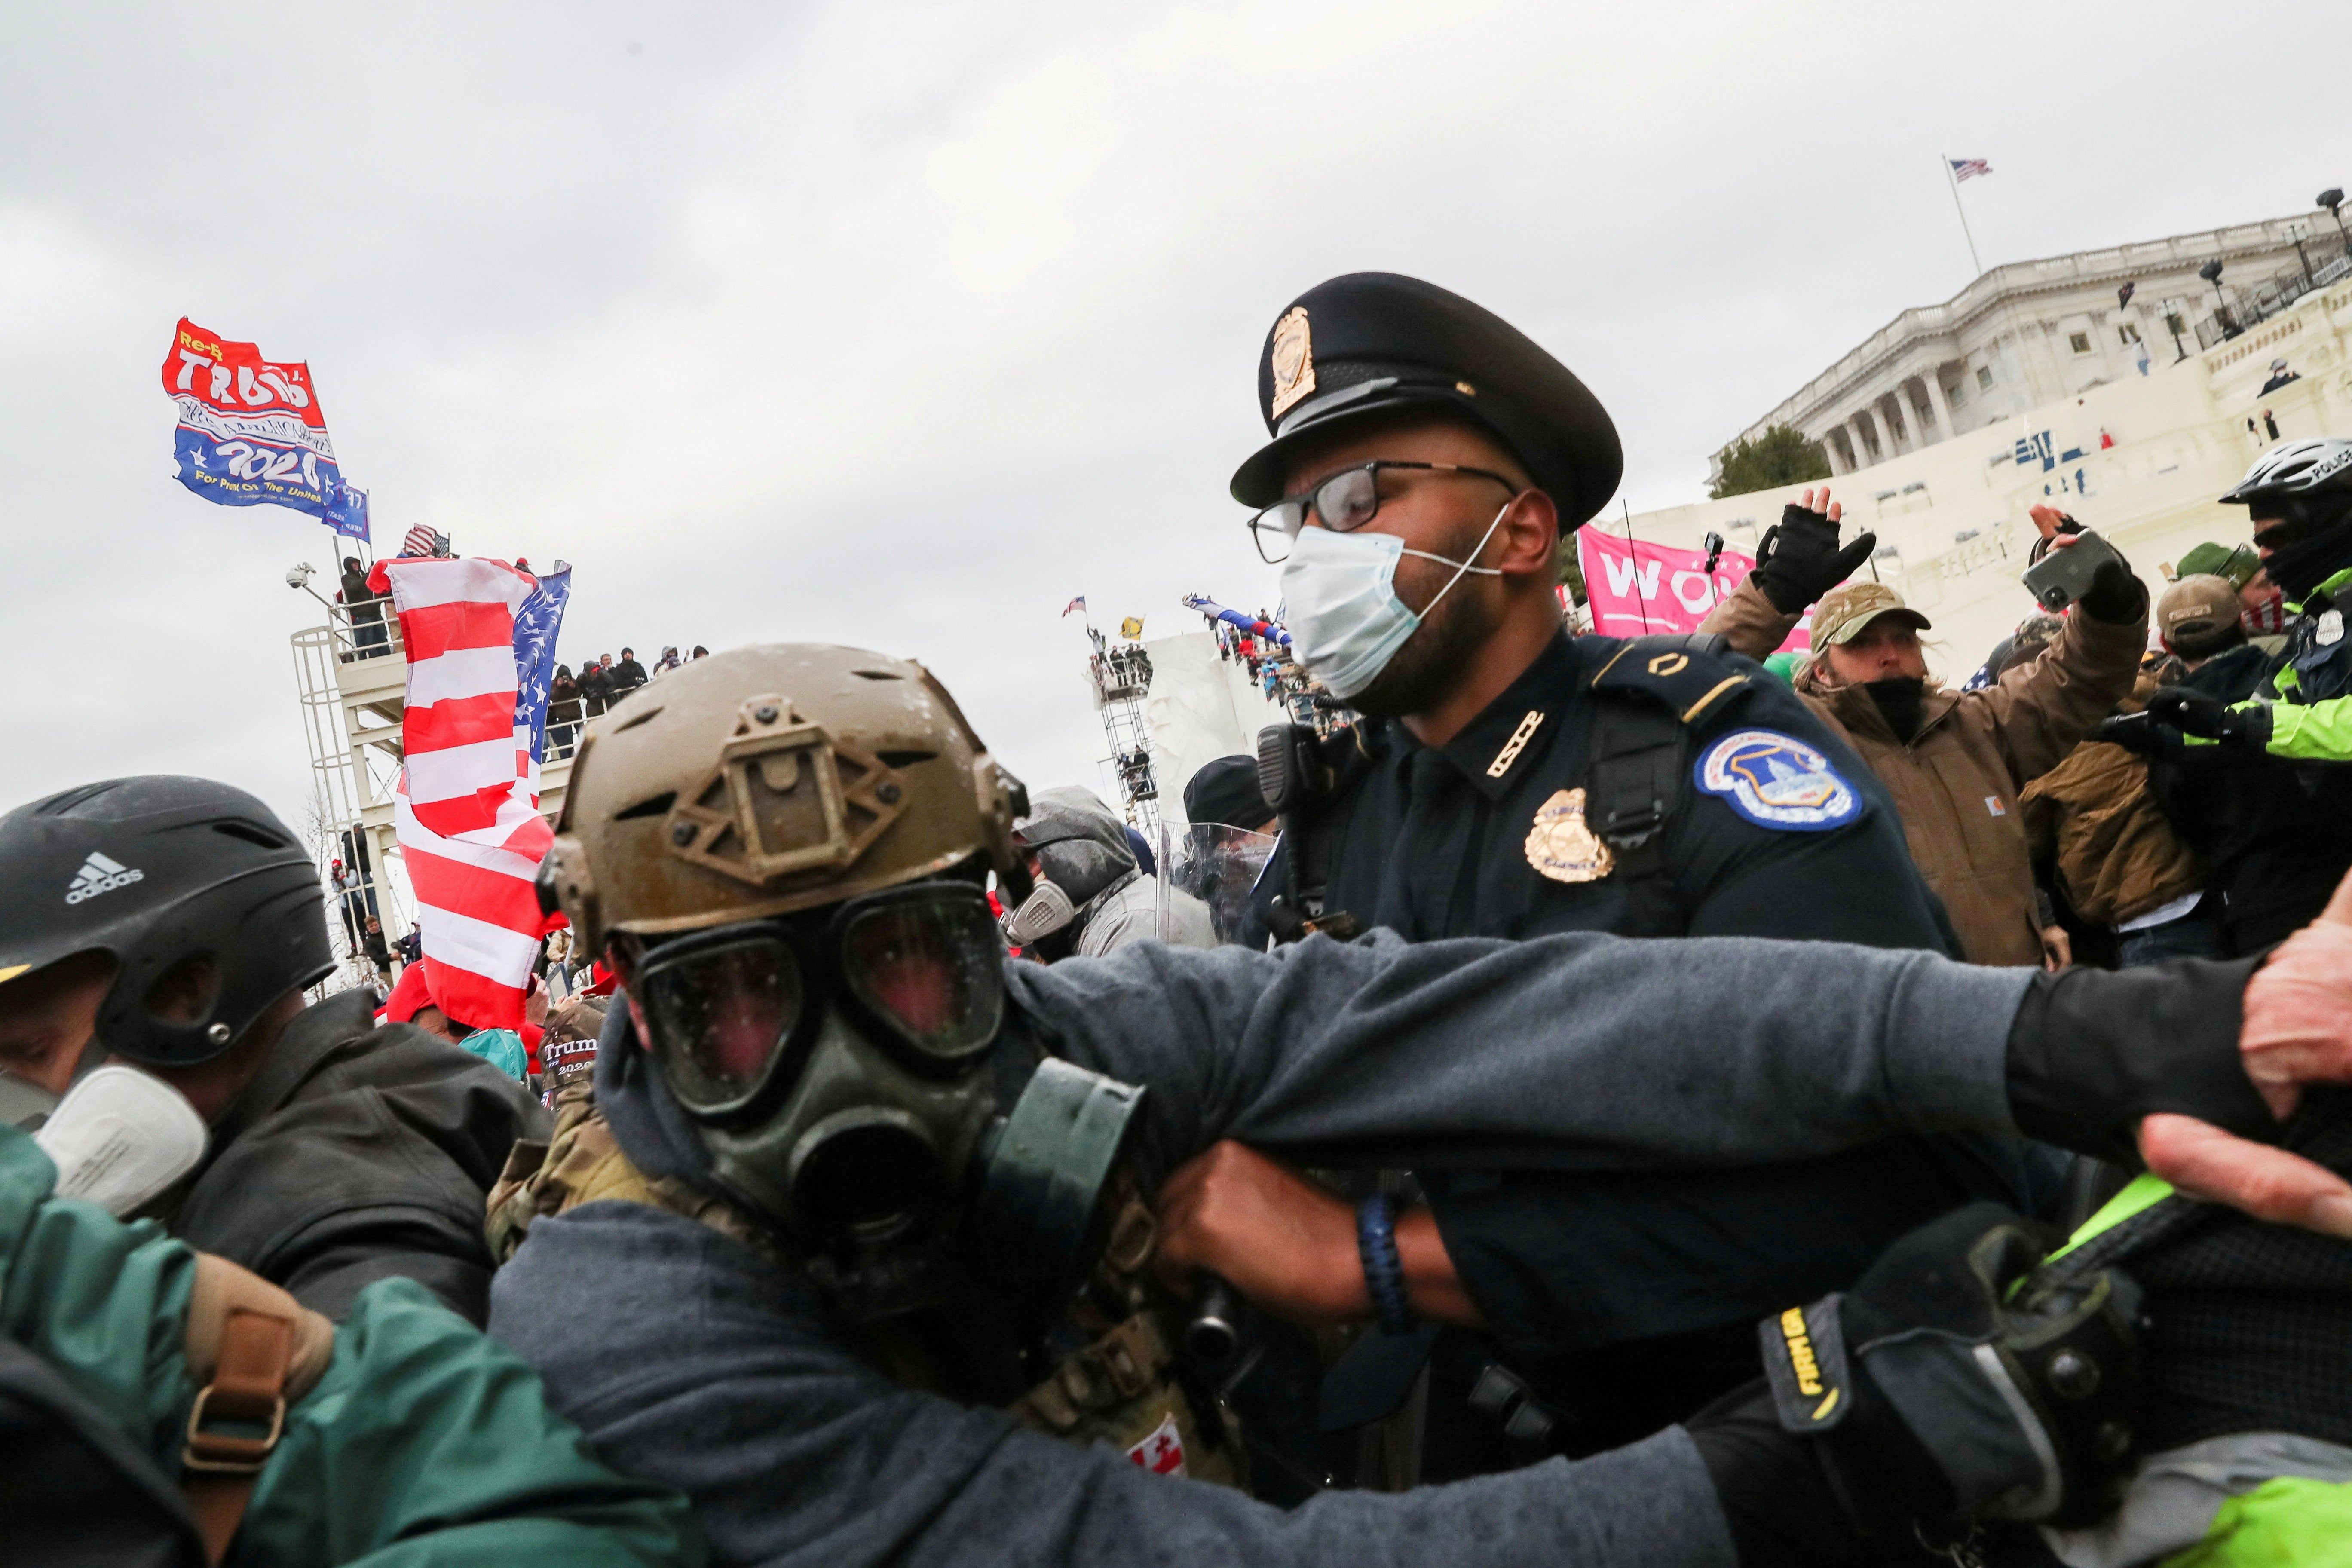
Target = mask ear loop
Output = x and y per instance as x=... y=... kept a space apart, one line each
x=1465 y=567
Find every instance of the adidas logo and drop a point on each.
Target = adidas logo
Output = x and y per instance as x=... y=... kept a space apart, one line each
x=99 y=875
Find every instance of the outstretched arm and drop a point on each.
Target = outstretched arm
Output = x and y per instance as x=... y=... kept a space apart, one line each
x=1586 y=1052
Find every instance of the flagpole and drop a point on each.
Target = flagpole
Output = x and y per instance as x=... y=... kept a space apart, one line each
x=1945 y=159
x=1640 y=598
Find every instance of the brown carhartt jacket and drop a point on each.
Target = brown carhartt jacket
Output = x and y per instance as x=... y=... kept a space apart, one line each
x=1956 y=784
x=2116 y=853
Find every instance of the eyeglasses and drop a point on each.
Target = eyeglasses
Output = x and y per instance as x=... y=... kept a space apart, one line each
x=1342 y=502
x=734 y=1011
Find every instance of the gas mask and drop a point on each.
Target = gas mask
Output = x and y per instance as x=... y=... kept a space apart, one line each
x=836 y=1068
x=1045 y=910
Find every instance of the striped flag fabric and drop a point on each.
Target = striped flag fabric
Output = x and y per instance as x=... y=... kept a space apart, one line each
x=1074 y=605
x=464 y=809
x=1969 y=168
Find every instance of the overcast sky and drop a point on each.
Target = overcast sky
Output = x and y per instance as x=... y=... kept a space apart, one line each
x=899 y=325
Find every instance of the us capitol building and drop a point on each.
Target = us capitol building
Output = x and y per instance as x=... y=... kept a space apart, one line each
x=2033 y=332
x=2037 y=385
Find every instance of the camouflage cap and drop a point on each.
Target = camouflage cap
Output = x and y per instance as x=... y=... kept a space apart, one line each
x=1847 y=608
x=2197 y=612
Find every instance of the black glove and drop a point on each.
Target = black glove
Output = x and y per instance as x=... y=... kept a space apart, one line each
x=2115 y=596
x=2208 y=718
x=1938 y=1390
x=2091 y=1051
x=2141 y=733
x=1799 y=559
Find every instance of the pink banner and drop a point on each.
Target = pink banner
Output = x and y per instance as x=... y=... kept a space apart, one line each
x=1636 y=587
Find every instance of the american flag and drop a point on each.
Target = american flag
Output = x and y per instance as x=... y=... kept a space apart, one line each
x=424 y=541
x=464 y=809
x=1969 y=168
x=1078 y=604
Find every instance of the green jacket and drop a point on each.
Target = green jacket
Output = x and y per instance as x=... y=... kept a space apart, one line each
x=2306 y=695
x=424 y=1441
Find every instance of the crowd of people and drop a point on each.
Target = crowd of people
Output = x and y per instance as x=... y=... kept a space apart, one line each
x=889 y=1163
x=574 y=699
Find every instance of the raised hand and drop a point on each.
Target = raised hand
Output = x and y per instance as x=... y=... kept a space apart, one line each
x=1798 y=559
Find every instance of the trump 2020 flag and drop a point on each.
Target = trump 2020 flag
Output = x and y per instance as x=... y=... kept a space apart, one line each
x=251 y=432
x=465 y=809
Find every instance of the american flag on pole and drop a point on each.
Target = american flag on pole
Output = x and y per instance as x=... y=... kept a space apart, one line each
x=1969 y=168
x=1078 y=604
x=465 y=809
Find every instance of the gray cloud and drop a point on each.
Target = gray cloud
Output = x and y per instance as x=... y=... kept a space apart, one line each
x=899 y=325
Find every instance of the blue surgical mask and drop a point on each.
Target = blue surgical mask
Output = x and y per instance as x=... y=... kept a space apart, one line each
x=1338 y=593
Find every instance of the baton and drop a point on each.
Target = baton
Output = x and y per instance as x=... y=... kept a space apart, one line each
x=1212 y=1340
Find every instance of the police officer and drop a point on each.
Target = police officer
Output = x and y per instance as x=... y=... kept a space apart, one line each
x=864 y=1228
x=174 y=923
x=1426 y=460
x=2248 y=750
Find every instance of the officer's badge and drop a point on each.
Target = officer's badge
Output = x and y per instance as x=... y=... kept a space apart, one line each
x=1777 y=781
x=1560 y=845
x=1292 y=359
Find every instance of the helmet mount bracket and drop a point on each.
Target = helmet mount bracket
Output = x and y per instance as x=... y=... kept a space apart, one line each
x=786 y=797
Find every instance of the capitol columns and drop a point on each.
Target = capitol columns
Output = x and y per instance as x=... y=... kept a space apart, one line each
x=1935 y=380
x=1838 y=465
x=1885 y=431
x=1855 y=436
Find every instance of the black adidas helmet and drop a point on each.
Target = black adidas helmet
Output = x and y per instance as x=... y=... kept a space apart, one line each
x=155 y=871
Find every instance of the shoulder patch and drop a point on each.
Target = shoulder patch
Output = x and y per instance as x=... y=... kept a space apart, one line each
x=1687 y=672
x=1777 y=781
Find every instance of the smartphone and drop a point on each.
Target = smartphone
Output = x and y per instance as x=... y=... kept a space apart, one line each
x=2062 y=576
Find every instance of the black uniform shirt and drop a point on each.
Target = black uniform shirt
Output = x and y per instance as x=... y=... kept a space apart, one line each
x=1668 y=1272
x=1433 y=842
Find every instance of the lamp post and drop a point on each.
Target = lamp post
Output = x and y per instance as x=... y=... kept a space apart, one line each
x=2299 y=233
x=2211 y=273
x=2332 y=198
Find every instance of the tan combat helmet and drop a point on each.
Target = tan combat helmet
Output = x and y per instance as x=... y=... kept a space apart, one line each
x=769 y=780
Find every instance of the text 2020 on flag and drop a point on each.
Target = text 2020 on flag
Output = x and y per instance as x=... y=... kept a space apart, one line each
x=251 y=432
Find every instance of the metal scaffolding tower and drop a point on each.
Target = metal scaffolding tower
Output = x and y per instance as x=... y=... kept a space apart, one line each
x=352 y=681
x=1122 y=678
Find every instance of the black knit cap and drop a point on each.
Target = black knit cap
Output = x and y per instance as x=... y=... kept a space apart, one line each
x=1373 y=342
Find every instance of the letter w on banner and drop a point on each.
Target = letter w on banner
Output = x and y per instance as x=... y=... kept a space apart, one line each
x=1635 y=587
x=465 y=809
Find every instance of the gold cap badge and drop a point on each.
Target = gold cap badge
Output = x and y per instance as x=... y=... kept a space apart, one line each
x=1292 y=358
x=1561 y=846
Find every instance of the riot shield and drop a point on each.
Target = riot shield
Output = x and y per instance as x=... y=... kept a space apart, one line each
x=1218 y=865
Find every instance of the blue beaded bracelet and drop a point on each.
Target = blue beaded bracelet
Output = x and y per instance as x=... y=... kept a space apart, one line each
x=1383 y=1270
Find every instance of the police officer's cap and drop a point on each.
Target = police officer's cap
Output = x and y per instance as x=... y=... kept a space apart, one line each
x=1374 y=343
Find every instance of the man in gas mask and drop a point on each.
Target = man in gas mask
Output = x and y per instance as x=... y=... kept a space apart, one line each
x=2248 y=751
x=1091 y=897
x=879 y=1229
x=174 y=923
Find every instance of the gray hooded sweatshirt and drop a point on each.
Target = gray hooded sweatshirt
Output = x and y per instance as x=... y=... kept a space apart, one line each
x=691 y=1361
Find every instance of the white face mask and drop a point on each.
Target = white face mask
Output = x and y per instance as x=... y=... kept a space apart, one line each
x=1338 y=593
